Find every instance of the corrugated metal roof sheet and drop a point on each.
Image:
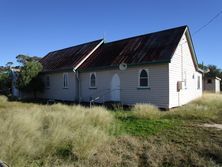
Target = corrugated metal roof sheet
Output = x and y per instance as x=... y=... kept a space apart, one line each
x=149 y=48
x=153 y=47
x=67 y=58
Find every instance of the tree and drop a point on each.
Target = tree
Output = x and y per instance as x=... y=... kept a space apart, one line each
x=23 y=59
x=29 y=79
x=9 y=64
x=5 y=82
x=214 y=71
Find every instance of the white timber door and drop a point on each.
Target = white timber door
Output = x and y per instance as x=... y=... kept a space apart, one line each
x=115 y=88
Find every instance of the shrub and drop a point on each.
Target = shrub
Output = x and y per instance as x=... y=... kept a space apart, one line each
x=146 y=111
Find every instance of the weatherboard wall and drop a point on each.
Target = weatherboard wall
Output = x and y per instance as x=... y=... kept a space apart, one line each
x=210 y=86
x=182 y=69
x=157 y=94
x=213 y=86
x=56 y=89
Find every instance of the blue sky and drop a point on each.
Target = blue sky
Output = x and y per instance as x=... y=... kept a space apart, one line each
x=36 y=27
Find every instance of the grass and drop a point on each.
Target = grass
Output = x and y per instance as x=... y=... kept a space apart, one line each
x=62 y=135
x=35 y=135
x=130 y=125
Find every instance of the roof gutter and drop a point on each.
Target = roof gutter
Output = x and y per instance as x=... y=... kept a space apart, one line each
x=200 y=70
x=190 y=43
x=218 y=78
x=82 y=61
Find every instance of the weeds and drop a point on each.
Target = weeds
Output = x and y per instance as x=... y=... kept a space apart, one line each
x=44 y=134
x=146 y=111
x=60 y=135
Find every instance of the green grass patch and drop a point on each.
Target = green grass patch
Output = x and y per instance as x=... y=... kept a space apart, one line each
x=127 y=123
x=143 y=127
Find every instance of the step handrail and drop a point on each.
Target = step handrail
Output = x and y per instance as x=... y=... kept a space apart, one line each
x=98 y=97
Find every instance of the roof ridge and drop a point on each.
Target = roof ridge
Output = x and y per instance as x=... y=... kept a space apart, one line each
x=76 y=45
x=169 y=29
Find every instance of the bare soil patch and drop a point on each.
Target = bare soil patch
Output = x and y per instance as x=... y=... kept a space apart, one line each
x=218 y=126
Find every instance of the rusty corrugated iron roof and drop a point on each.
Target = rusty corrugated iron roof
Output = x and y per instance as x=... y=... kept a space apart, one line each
x=149 y=48
x=153 y=47
x=67 y=58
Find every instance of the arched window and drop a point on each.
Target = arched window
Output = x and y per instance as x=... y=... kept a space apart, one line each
x=65 y=80
x=209 y=81
x=47 y=81
x=92 y=80
x=144 y=78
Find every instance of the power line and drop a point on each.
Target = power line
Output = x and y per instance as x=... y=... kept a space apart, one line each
x=210 y=21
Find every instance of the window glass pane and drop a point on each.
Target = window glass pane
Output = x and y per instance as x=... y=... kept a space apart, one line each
x=143 y=74
x=47 y=81
x=65 y=80
x=93 y=80
x=143 y=78
x=209 y=81
x=143 y=82
x=93 y=83
x=64 y=84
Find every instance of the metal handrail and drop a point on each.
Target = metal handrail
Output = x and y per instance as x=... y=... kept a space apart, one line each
x=98 y=97
x=3 y=164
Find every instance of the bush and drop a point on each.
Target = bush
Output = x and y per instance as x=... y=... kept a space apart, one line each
x=146 y=111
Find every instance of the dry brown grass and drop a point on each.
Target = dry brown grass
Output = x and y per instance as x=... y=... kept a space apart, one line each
x=33 y=135
x=146 y=111
x=60 y=135
x=207 y=108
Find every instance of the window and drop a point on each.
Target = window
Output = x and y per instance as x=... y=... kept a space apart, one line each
x=144 y=79
x=65 y=80
x=92 y=80
x=198 y=82
x=209 y=81
x=47 y=81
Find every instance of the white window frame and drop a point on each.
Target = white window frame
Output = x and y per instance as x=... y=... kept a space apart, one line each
x=148 y=79
x=90 y=86
x=48 y=82
x=65 y=84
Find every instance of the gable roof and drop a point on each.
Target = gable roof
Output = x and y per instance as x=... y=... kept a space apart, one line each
x=150 y=48
x=68 y=58
x=157 y=47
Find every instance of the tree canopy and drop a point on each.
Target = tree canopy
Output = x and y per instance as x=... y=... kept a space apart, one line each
x=23 y=59
x=28 y=79
x=212 y=70
x=5 y=81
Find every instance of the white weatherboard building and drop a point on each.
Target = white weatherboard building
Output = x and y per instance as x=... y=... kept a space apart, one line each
x=212 y=84
x=160 y=68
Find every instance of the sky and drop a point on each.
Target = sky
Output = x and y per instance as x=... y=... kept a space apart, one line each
x=36 y=27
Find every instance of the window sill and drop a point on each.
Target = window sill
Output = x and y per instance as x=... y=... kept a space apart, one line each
x=143 y=87
x=65 y=88
x=92 y=87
